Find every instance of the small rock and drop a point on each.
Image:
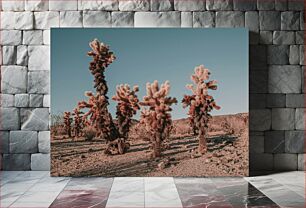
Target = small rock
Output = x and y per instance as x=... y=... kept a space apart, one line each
x=161 y=165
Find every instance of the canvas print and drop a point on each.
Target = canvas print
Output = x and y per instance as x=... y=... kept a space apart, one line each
x=149 y=102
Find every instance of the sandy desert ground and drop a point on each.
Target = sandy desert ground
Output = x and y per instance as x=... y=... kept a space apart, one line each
x=227 y=153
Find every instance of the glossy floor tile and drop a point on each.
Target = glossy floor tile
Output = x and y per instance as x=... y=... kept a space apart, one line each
x=278 y=192
x=161 y=192
x=84 y=192
x=126 y=199
x=38 y=190
x=200 y=192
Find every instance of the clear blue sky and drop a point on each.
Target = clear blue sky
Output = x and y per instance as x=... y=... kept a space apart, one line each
x=145 y=55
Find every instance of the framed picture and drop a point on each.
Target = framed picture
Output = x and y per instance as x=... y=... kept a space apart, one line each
x=149 y=102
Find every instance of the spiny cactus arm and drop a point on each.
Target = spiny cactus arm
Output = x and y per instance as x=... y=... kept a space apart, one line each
x=102 y=58
x=100 y=49
x=170 y=100
x=212 y=85
x=187 y=100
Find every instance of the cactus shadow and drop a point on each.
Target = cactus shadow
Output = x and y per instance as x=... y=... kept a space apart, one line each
x=139 y=149
x=179 y=148
x=219 y=142
x=137 y=168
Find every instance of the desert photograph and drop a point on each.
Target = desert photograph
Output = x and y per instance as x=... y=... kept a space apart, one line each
x=149 y=102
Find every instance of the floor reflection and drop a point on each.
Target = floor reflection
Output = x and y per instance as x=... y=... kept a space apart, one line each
x=221 y=192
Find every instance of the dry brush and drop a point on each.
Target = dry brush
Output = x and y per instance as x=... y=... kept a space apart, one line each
x=67 y=123
x=78 y=121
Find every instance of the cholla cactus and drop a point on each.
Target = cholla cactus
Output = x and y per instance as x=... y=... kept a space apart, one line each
x=78 y=121
x=126 y=108
x=157 y=117
x=67 y=122
x=102 y=58
x=200 y=103
x=99 y=117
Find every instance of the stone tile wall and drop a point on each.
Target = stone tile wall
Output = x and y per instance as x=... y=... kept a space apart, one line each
x=276 y=68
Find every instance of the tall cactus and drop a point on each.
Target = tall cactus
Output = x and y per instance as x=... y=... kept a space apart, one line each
x=128 y=104
x=97 y=104
x=102 y=58
x=200 y=103
x=78 y=121
x=67 y=123
x=156 y=116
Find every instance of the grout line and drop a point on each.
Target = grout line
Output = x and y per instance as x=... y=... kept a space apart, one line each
x=178 y=192
x=12 y=178
x=144 y=192
x=109 y=191
x=60 y=191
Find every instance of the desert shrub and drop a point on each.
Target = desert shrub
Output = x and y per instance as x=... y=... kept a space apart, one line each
x=138 y=131
x=89 y=132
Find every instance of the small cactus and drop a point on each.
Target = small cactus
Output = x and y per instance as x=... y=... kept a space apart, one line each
x=156 y=116
x=67 y=123
x=78 y=121
x=200 y=104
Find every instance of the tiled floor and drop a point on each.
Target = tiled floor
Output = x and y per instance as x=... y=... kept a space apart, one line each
x=38 y=189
